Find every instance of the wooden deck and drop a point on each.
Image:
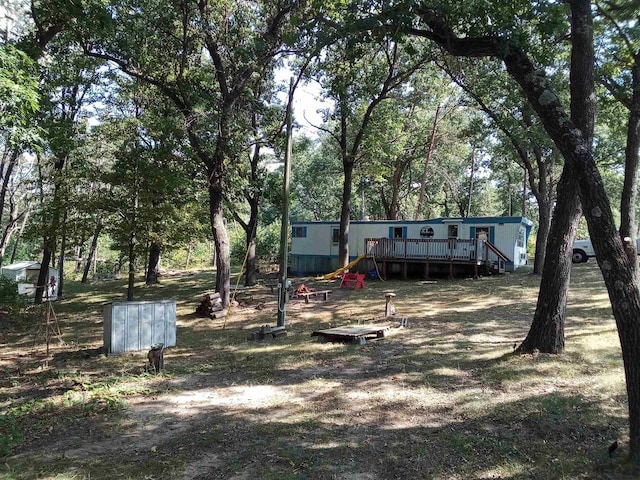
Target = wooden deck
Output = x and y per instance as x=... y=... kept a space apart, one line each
x=478 y=256
x=352 y=334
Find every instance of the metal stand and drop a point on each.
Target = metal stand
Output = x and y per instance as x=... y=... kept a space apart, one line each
x=49 y=327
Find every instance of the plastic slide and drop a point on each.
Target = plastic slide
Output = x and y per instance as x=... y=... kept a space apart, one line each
x=331 y=275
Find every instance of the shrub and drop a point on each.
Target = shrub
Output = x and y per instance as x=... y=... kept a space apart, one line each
x=11 y=300
x=10 y=434
x=267 y=244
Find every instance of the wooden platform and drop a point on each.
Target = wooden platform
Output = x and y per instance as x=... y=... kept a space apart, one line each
x=306 y=295
x=352 y=334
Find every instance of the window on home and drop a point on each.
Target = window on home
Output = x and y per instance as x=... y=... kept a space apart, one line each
x=452 y=231
x=398 y=232
x=426 y=232
x=521 y=236
x=299 y=232
x=335 y=236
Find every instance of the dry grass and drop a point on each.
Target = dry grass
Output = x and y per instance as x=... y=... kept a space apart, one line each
x=442 y=399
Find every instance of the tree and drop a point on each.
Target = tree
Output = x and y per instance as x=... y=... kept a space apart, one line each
x=206 y=58
x=616 y=269
x=314 y=197
x=248 y=176
x=547 y=329
x=400 y=149
x=447 y=102
x=19 y=102
x=359 y=78
x=68 y=84
x=520 y=129
x=620 y=74
x=147 y=186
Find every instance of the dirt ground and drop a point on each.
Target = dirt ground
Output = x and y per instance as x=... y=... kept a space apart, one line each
x=443 y=398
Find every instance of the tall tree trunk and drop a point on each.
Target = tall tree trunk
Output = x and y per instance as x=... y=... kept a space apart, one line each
x=524 y=192
x=120 y=263
x=430 y=150
x=221 y=241
x=19 y=237
x=345 y=214
x=64 y=123
x=43 y=275
x=92 y=249
x=618 y=275
x=251 y=275
x=544 y=194
x=617 y=272
x=133 y=241
x=511 y=199
x=628 y=201
x=155 y=249
x=78 y=251
x=547 y=329
x=546 y=333
x=253 y=195
x=349 y=155
x=9 y=229
x=582 y=72
x=542 y=189
x=63 y=247
x=471 y=180
x=542 y=237
x=95 y=260
x=131 y=277
x=5 y=174
x=189 y=252
x=394 y=207
x=510 y=193
x=48 y=250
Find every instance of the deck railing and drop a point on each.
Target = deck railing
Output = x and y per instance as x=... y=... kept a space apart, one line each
x=436 y=249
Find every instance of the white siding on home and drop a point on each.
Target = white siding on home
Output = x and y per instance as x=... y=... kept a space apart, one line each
x=316 y=242
x=503 y=234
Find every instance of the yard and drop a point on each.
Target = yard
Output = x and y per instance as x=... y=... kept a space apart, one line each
x=443 y=398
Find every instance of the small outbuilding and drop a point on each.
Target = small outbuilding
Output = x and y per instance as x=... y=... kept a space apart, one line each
x=26 y=275
x=423 y=247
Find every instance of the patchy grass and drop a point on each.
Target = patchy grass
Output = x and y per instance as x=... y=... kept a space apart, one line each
x=441 y=399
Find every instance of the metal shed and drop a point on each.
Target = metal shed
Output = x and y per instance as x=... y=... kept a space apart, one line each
x=134 y=326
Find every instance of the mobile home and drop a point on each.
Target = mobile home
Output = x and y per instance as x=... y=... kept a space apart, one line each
x=26 y=275
x=402 y=246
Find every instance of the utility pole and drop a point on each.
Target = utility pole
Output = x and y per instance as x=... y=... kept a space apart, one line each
x=284 y=230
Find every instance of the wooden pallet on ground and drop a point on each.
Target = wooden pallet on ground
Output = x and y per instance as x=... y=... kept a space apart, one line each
x=352 y=334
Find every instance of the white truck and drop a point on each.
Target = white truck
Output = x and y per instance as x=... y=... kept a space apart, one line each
x=583 y=250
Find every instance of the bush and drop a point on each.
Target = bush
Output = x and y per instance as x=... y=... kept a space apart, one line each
x=11 y=300
x=267 y=244
x=10 y=434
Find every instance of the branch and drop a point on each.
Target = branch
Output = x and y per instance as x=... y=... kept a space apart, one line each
x=616 y=90
x=212 y=48
x=129 y=70
x=524 y=156
x=533 y=82
x=615 y=24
